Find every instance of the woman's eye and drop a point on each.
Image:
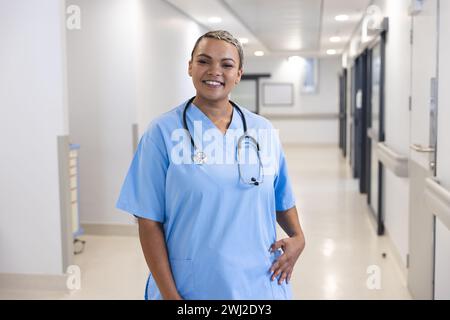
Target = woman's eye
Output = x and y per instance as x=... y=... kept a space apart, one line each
x=228 y=66
x=201 y=61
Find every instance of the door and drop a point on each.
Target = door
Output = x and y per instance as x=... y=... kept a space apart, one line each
x=352 y=108
x=245 y=94
x=360 y=120
x=375 y=119
x=442 y=238
x=349 y=115
x=342 y=112
x=423 y=143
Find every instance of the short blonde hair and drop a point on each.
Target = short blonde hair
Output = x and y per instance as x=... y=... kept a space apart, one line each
x=225 y=36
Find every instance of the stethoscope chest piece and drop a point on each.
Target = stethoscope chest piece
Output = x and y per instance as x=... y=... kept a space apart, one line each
x=199 y=157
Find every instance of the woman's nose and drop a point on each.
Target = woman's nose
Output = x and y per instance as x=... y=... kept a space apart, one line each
x=215 y=70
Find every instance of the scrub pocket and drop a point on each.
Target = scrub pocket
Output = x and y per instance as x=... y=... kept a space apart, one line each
x=183 y=274
x=283 y=291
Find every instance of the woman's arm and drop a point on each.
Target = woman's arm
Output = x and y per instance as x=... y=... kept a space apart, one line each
x=292 y=246
x=151 y=234
x=289 y=222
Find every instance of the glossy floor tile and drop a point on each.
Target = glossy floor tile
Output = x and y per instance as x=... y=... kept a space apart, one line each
x=343 y=258
x=343 y=254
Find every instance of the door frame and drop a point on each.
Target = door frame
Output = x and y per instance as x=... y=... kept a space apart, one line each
x=343 y=112
x=352 y=79
x=256 y=77
x=381 y=41
x=360 y=119
x=382 y=132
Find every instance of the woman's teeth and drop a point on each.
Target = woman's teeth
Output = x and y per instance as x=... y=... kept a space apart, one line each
x=213 y=83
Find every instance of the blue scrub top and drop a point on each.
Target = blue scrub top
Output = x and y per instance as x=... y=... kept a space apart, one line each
x=218 y=230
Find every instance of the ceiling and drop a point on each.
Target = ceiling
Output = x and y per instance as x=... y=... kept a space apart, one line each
x=280 y=27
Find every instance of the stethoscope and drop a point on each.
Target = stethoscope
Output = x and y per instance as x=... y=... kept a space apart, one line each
x=199 y=157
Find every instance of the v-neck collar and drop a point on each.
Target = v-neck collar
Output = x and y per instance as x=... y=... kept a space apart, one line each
x=195 y=114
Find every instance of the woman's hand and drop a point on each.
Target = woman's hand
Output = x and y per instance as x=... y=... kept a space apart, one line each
x=292 y=248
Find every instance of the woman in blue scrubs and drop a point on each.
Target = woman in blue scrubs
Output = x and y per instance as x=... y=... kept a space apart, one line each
x=208 y=201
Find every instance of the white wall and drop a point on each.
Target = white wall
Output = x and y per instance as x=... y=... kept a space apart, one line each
x=33 y=112
x=127 y=64
x=397 y=115
x=397 y=126
x=442 y=256
x=167 y=38
x=443 y=149
x=299 y=129
x=102 y=92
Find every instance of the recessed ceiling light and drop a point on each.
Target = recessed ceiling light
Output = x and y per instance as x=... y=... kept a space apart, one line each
x=331 y=52
x=259 y=53
x=294 y=59
x=215 y=19
x=243 y=40
x=335 y=39
x=342 y=17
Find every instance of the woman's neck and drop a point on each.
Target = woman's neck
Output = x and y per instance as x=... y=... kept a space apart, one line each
x=216 y=111
x=220 y=113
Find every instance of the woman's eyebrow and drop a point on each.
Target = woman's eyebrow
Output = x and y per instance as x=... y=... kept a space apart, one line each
x=231 y=59
x=209 y=57
x=204 y=56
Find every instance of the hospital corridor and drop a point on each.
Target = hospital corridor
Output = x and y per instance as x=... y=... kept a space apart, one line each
x=174 y=149
x=342 y=244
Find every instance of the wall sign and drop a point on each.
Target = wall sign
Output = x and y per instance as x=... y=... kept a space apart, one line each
x=278 y=94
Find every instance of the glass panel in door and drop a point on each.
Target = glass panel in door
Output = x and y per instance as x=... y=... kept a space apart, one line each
x=375 y=126
x=245 y=95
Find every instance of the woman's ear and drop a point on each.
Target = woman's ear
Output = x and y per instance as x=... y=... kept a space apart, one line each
x=239 y=75
x=190 y=68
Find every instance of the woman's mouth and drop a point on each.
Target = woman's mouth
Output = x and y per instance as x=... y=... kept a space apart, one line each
x=213 y=83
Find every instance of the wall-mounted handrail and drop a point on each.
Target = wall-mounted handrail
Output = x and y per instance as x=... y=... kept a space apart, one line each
x=438 y=200
x=393 y=161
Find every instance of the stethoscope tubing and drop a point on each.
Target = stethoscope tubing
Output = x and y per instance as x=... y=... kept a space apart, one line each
x=244 y=136
x=241 y=114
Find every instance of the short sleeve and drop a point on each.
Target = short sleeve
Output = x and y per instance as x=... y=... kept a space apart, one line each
x=284 y=196
x=143 y=191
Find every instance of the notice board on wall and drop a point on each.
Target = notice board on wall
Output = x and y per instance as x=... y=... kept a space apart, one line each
x=278 y=94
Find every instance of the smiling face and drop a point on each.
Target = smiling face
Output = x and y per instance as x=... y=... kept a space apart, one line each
x=214 y=69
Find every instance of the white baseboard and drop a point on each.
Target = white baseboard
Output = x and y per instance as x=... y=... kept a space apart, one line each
x=40 y=282
x=103 y=229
